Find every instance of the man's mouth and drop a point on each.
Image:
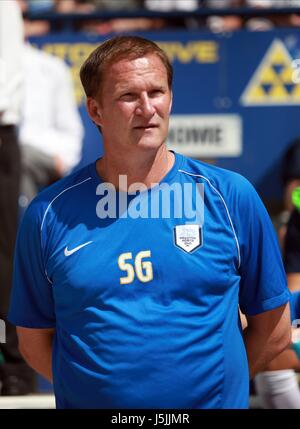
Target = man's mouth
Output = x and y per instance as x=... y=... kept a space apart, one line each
x=145 y=127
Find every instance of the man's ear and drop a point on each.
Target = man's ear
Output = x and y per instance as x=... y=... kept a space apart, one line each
x=94 y=110
x=171 y=102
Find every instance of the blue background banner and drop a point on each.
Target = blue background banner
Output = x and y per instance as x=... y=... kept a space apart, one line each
x=246 y=74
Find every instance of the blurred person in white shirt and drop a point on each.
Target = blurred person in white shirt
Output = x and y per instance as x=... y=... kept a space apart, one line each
x=51 y=130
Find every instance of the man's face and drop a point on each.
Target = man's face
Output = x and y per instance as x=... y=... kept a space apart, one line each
x=135 y=103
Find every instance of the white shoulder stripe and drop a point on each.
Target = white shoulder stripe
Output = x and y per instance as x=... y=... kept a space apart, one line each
x=62 y=192
x=48 y=277
x=70 y=187
x=226 y=208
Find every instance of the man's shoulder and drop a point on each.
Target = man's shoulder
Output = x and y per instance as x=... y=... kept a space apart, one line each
x=61 y=188
x=220 y=178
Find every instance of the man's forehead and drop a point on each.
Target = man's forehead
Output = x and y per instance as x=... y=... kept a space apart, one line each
x=141 y=63
x=148 y=70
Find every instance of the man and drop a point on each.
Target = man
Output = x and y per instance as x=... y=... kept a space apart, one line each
x=16 y=378
x=139 y=310
x=278 y=386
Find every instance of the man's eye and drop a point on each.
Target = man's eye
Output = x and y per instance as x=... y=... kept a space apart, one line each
x=156 y=92
x=127 y=96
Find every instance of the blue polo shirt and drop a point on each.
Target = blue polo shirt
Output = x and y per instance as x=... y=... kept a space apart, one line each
x=145 y=310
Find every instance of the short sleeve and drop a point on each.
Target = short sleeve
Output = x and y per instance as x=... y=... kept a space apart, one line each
x=32 y=302
x=292 y=244
x=263 y=281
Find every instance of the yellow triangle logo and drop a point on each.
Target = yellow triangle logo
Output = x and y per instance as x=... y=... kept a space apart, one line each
x=272 y=82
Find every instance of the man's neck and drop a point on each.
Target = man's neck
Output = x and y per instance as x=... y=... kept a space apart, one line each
x=146 y=167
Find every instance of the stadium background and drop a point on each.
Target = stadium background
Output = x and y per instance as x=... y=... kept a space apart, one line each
x=236 y=99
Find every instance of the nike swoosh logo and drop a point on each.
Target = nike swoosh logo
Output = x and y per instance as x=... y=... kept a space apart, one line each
x=68 y=252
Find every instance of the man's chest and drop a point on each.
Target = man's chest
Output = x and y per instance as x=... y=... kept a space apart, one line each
x=163 y=259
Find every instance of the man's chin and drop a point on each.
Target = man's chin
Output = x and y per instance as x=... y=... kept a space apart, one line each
x=150 y=140
x=149 y=143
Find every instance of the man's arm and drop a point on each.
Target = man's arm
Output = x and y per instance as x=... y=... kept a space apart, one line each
x=266 y=335
x=35 y=345
x=286 y=360
x=294 y=281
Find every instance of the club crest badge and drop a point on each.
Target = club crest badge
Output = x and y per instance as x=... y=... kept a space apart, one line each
x=188 y=237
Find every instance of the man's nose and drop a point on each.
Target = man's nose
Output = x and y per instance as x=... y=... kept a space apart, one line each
x=145 y=107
